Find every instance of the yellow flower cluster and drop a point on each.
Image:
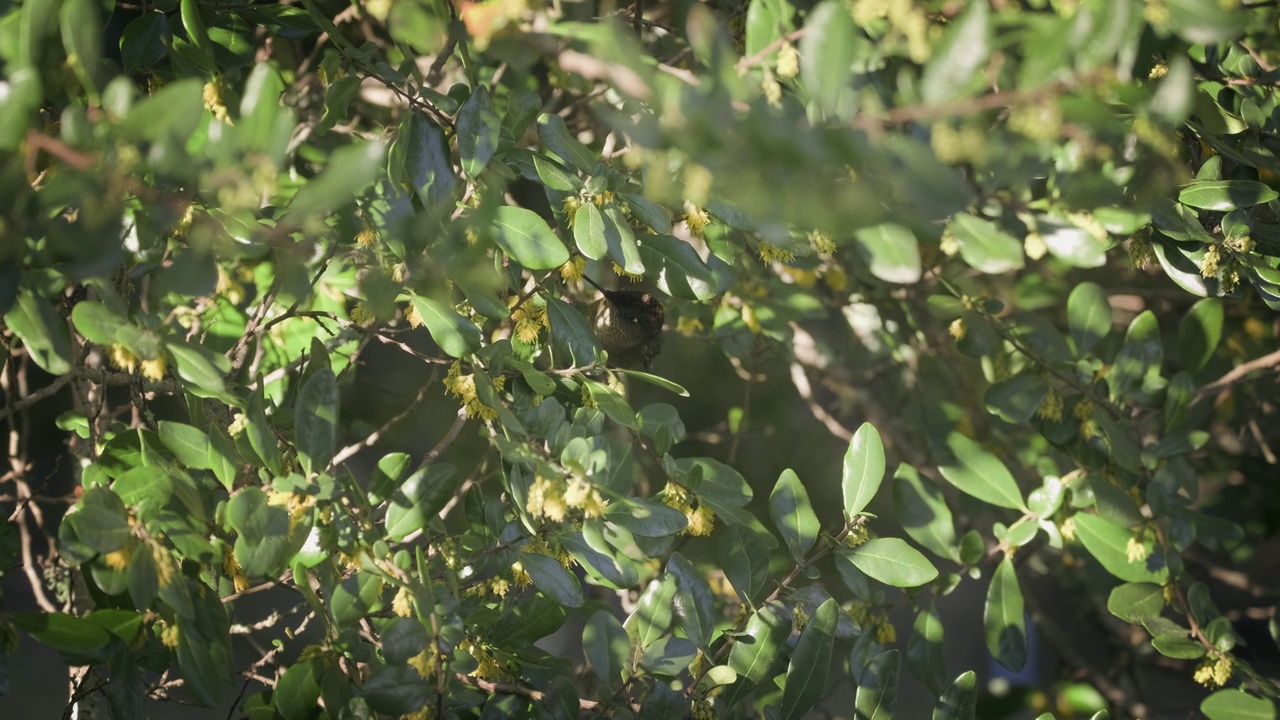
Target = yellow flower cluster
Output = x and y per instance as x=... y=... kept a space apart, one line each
x=425 y=662
x=1135 y=550
x=1214 y=672
x=487 y=667
x=231 y=568
x=546 y=499
x=1209 y=263
x=1140 y=253
x=519 y=575
x=493 y=586
x=702 y=709
x=1084 y=413
x=168 y=634
x=529 y=320
x=463 y=387
x=573 y=269
x=402 y=603
x=822 y=243
x=788 y=61
x=697 y=219
x=801 y=617
x=957 y=329
x=856 y=536
x=119 y=558
x=688 y=325
x=874 y=620
x=771 y=253
x=1068 y=529
x=1051 y=407
x=586 y=497
x=622 y=272
x=214 y=101
x=125 y=360
x=701 y=519
x=362 y=314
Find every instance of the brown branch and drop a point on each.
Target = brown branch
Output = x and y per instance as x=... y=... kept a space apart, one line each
x=376 y=435
x=449 y=437
x=1237 y=374
x=753 y=60
x=513 y=689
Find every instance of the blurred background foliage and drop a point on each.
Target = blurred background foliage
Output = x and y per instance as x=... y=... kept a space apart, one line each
x=965 y=404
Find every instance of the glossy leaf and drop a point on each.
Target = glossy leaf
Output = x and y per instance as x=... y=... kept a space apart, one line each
x=478 y=128
x=1109 y=544
x=877 y=693
x=985 y=246
x=891 y=252
x=793 y=515
x=588 y=231
x=1199 y=333
x=963 y=51
x=959 y=701
x=527 y=239
x=863 y=470
x=810 y=662
x=977 y=472
x=1088 y=316
x=607 y=646
x=923 y=512
x=1237 y=705
x=1132 y=602
x=753 y=653
x=1004 y=624
x=924 y=650
x=1224 y=195
x=892 y=562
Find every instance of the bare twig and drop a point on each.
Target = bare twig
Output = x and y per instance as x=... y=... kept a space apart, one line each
x=752 y=60
x=449 y=437
x=376 y=435
x=1239 y=373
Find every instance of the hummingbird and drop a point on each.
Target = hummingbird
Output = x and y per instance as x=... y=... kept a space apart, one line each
x=628 y=324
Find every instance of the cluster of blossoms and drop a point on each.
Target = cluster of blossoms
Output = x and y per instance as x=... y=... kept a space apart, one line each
x=876 y=620
x=1214 y=672
x=125 y=360
x=702 y=519
x=529 y=318
x=553 y=498
x=463 y=387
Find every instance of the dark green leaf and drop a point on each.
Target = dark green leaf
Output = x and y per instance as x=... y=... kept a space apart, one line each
x=1178 y=645
x=877 y=693
x=478 y=128
x=693 y=601
x=1005 y=626
x=1224 y=195
x=550 y=577
x=44 y=335
x=456 y=335
x=826 y=57
x=1133 y=602
x=976 y=472
x=753 y=652
x=959 y=701
x=527 y=239
x=653 y=614
x=745 y=560
x=924 y=650
x=923 y=512
x=419 y=498
x=316 y=420
x=1199 y=333
x=1237 y=705
x=607 y=646
x=1088 y=316
x=1016 y=399
x=810 y=662
x=892 y=562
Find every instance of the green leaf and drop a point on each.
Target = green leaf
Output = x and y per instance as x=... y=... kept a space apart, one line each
x=1016 y=399
x=652 y=379
x=1109 y=543
x=924 y=650
x=550 y=577
x=571 y=337
x=612 y=404
x=645 y=517
x=1132 y=602
x=260 y=106
x=892 y=562
x=1224 y=195
x=556 y=177
x=1237 y=705
x=810 y=662
x=1199 y=333
x=1088 y=316
x=985 y=246
x=653 y=215
x=1073 y=245
x=793 y=515
x=607 y=647
x=745 y=560
x=44 y=335
x=827 y=52
x=681 y=272
x=419 y=498
x=351 y=169
x=976 y=472
x=621 y=241
x=891 y=252
x=478 y=127
x=145 y=41
x=653 y=614
x=754 y=650
x=145 y=484
x=82 y=34
x=298 y=689
x=923 y=512
x=455 y=335
x=527 y=239
x=421 y=155
x=960 y=700
x=693 y=602
x=396 y=690
x=555 y=135
x=65 y=633
x=200 y=367
x=188 y=444
x=957 y=60
x=316 y=420
x=1178 y=645
x=877 y=693
x=588 y=231
x=1003 y=621
x=863 y=470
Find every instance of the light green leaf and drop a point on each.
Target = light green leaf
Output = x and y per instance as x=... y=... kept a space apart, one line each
x=588 y=231
x=1224 y=195
x=350 y=170
x=555 y=135
x=891 y=252
x=1109 y=544
x=1178 y=645
x=44 y=335
x=621 y=241
x=956 y=62
x=923 y=512
x=754 y=651
x=1088 y=316
x=960 y=700
x=455 y=335
x=1199 y=334
x=826 y=58
x=527 y=239
x=607 y=647
x=1237 y=705
x=976 y=472
x=877 y=693
x=681 y=272
x=613 y=404
x=985 y=246
x=1003 y=621
x=793 y=515
x=863 y=470
x=1132 y=602
x=892 y=562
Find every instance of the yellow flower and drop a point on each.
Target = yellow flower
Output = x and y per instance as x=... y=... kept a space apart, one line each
x=584 y=496
x=499 y=586
x=697 y=219
x=119 y=559
x=402 y=603
x=957 y=329
x=412 y=317
x=688 y=325
x=1214 y=672
x=520 y=575
x=166 y=568
x=1051 y=407
x=801 y=618
x=529 y=319
x=168 y=634
x=822 y=242
x=788 y=61
x=701 y=521
x=154 y=369
x=676 y=497
x=570 y=207
x=771 y=253
x=463 y=387
x=122 y=358
x=362 y=315
x=574 y=269
x=425 y=662
x=1068 y=529
x=214 y=102
x=1135 y=550
x=367 y=236
x=1209 y=263
x=621 y=272
x=546 y=499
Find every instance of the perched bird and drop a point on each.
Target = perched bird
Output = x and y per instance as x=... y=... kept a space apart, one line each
x=628 y=324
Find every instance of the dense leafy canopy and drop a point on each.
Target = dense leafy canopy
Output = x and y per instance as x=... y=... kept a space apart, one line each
x=297 y=289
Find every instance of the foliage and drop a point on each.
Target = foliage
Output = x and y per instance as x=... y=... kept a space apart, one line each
x=1032 y=249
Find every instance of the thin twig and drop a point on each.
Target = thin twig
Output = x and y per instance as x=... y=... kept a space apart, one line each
x=750 y=61
x=1239 y=372
x=449 y=437
x=376 y=435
